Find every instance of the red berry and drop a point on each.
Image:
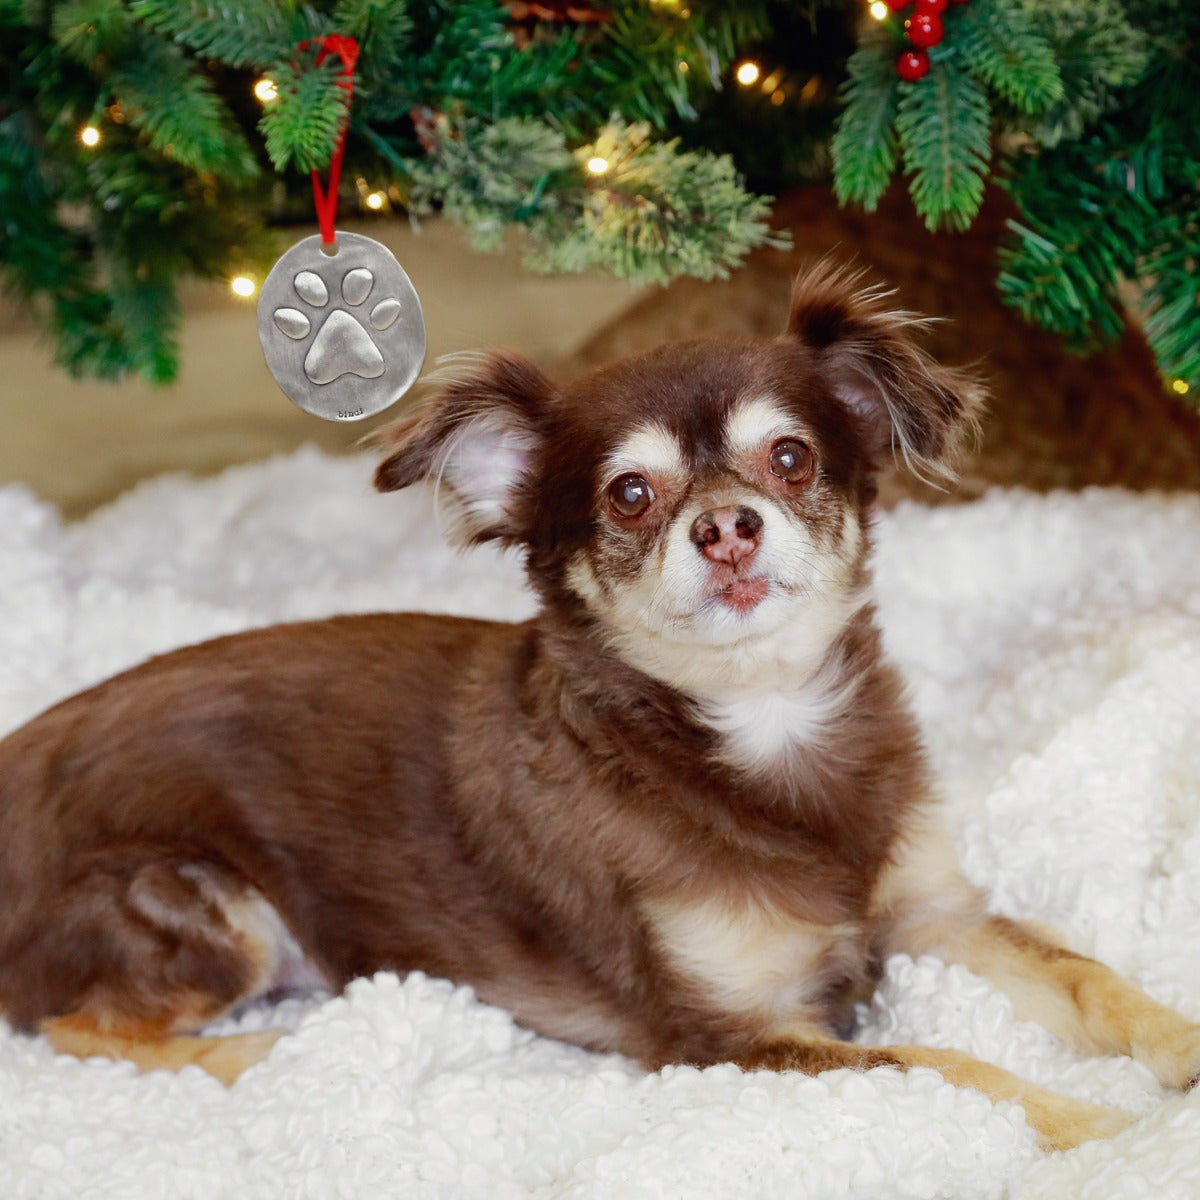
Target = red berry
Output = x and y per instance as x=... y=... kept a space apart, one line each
x=930 y=7
x=897 y=5
x=912 y=65
x=924 y=29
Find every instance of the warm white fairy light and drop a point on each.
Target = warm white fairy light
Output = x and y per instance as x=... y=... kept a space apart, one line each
x=89 y=135
x=242 y=285
x=375 y=200
x=747 y=73
x=597 y=165
x=1180 y=387
x=879 y=10
x=265 y=90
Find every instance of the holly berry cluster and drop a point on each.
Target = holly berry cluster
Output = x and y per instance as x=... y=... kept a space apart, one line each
x=923 y=29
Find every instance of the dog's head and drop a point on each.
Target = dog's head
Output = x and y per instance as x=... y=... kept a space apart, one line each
x=706 y=503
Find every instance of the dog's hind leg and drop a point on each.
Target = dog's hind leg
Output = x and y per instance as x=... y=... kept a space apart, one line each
x=139 y=951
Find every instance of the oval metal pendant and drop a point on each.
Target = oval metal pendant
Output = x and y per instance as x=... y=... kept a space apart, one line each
x=343 y=334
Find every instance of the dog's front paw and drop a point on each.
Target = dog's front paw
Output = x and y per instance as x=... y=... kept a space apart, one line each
x=1172 y=1051
x=1063 y=1123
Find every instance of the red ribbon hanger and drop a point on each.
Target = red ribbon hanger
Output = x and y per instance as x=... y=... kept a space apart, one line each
x=325 y=199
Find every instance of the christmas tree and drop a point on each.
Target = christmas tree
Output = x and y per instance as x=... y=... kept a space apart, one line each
x=142 y=141
x=1085 y=110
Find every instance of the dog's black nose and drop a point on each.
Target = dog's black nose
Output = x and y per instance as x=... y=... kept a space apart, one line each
x=728 y=534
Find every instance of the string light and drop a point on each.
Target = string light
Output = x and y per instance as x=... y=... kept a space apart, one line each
x=747 y=73
x=1180 y=387
x=265 y=90
x=375 y=200
x=242 y=285
x=89 y=135
x=597 y=165
x=879 y=10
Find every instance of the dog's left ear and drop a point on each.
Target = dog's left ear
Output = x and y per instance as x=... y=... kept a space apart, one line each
x=906 y=402
x=479 y=439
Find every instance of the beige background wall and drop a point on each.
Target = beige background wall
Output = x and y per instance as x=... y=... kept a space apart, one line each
x=80 y=444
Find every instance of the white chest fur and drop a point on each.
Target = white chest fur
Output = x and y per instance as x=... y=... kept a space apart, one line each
x=753 y=959
x=762 y=727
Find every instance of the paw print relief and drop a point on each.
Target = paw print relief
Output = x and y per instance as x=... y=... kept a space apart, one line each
x=343 y=334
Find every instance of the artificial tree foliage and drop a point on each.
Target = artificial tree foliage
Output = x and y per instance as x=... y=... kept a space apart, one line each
x=1085 y=110
x=491 y=111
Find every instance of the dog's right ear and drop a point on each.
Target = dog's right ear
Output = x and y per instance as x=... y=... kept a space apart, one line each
x=478 y=439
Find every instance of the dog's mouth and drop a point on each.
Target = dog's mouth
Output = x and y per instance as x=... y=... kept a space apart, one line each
x=743 y=595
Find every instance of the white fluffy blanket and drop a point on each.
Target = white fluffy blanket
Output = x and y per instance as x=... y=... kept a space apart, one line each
x=1053 y=647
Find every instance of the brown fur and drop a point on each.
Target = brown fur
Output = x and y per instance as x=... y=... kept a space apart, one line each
x=582 y=825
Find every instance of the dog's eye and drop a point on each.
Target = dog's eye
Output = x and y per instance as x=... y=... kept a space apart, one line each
x=630 y=495
x=791 y=460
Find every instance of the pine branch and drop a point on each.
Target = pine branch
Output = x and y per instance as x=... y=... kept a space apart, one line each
x=301 y=127
x=248 y=33
x=1098 y=53
x=1008 y=53
x=486 y=177
x=383 y=29
x=86 y=29
x=658 y=212
x=943 y=126
x=865 y=149
x=164 y=95
x=638 y=72
x=1076 y=239
x=147 y=314
x=1170 y=262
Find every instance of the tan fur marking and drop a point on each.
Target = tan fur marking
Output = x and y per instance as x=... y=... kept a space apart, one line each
x=225 y=1058
x=1082 y=1001
x=923 y=893
x=1059 y=1121
x=753 y=958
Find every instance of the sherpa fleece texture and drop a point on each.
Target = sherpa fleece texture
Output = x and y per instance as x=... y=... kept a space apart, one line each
x=1053 y=650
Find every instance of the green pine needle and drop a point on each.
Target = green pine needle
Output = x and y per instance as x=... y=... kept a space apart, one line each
x=1170 y=306
x=865 y=148
x=164 y=95
x=1098 y=52
x=1004 y=49
x=658 y=212
x=943 y=125
x=486 y=177
x=301 y=127
x=86 y=29
x=245 y=33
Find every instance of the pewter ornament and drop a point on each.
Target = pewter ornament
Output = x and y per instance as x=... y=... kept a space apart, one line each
x=342 y=333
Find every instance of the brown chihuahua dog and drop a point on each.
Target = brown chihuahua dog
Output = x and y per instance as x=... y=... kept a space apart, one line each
x=683 y=813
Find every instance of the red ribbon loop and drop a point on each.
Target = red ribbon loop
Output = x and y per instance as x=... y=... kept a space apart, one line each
x=325 y=199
